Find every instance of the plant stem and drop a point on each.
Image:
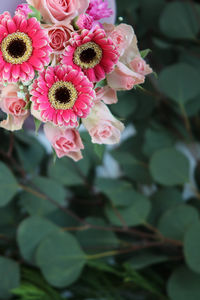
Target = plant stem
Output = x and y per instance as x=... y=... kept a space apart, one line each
x=123 y=251
x=86 y=225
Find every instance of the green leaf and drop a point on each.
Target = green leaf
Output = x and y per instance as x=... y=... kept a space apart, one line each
x=119 y=192
x=132 y=167
x=184 y=285
x=34 y=204
x=101 y=265
x=169 y=167
x=35 y=13
x=99 y=150
x=140 y=281
x=145 y=52
x=10 y=277
x=175 y=222
x=162 y=201
x=30 y=152
x=9 y=217
x=180 y=82
x=8 y=185
x=30 y=232
x=28 y=291
x=192 y=247
x=145 y=105
x=34 y=287
x=60 y=218
x=178 y=21
x=192 y=107
x=156 y=138
x=144 y=259
x=65 y=260
x=133 y=215
x=66 y=172
x=95 y=240
x=101 y=83
x=37 y=124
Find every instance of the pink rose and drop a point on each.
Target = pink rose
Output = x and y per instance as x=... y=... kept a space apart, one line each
x=122 y=35
x=102 y=126
x=13 y=106
x=131 y=52
x=133 y=60
x=59 y=11
x=59 y=35
x=65 y=141
x=140 y=66
x=123 y=78
x=107 y=95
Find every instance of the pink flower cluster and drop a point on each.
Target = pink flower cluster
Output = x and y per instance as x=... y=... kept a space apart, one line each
x=62 y=65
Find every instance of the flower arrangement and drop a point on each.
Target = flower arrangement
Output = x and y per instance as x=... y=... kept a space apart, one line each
x=62 y=64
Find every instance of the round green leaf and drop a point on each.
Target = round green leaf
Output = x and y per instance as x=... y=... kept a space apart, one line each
x=119 y=192
x=178 y=20
x=156 y=137
x=133 y=215
x=60 y=259
x=163 y=200
x=192 y=247
x=169 y=167
x=175 y=222
x=132 y=167
x=65 y=172
x=8 y=185
x=30 y=155
x=38 y=205
x=94 y=240
x=184 y=285
x=30 y=232
x=9 y=277
x=180 y=82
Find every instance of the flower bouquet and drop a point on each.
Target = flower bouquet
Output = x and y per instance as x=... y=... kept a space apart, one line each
x=62 y=63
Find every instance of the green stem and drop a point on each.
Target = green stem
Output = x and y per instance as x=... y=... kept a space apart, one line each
x=186 y=119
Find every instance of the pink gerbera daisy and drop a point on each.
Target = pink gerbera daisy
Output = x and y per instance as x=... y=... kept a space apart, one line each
x=23 y=48
x=62 y=94
x=92 y=52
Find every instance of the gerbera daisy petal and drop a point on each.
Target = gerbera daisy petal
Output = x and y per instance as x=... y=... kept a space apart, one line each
x=64 y=99
x=18 y=51
x=93 y=49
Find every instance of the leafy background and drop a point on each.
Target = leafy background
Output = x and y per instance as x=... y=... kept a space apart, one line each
x=124 y=222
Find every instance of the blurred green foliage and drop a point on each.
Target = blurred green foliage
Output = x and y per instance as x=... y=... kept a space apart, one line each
x=66 y=233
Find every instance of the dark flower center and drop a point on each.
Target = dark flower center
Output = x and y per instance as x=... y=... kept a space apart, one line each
x=16 y=48
x=62 y=95
x=87 y=55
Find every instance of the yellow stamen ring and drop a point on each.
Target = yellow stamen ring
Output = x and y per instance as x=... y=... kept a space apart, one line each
x=62 y=95
x=13 y=54
x=88 y=55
